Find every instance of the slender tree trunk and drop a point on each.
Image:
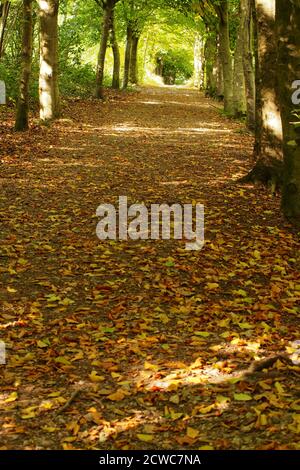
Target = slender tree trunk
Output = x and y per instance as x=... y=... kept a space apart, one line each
x=248 y=63
x=288 y=33
x=48 y=80
x=106 y=24
x=198 y=62
x=219 y=74
x=210 y=60
x=239 y=92
x=21 y=123
x=5 y=6
x=225 y=56
x=116 y=54
x=268 y=133
x=145 y=53
x=134 y=59
x=127 y=56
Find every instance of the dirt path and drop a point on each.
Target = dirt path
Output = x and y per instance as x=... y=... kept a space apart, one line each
x=150 y=334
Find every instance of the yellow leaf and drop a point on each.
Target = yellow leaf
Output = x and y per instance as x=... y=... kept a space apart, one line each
x=174 y=415
x=47 y=405
x=245 y=326
x=117 y=396
x=62 y=360
x=12 y=397
x=96 y=378
x=11 y=290
x=192 y=433
x=67 y=446
x=240 y=292
x=222 y=399
x=295 y=405
x=145 y=437
x=29 y=413
x=52 y=298
x=174 y=399
x=206 y=448
x=66 y=301
x=78 y=356
x=225 y=323
x=11 y=270
x=164 y=318
x=70 y=439
x=263 y=420
x=279 y=387
x=22 y=261
x=49 y=429
x=204 y=334
x=206 y=409
x=264 y=385
x=54 y=394
x=148 y=366
x=212 y=286
x=42 y=344
x=115 y=375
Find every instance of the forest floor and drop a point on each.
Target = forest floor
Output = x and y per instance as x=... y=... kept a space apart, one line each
x=143 y=344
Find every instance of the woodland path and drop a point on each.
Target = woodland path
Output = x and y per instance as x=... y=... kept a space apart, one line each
x=150 y=334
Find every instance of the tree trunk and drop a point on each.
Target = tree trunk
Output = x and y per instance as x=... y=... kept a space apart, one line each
x=48 y=80
x=127 y=56
x=249 y=72
x=106 y=24
x=288 y=33
x=116 y=54
x=225 y=56
x=210 y=60
x=134 y=59
x=5 y=6
x=21 y=123
x=199 y=62
x=239 y=92
x=268 y=130
x=219 y=75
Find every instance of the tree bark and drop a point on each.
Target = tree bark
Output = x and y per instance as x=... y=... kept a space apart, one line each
x=270 y=133
x=22 y=112
x=21 y=123
x=134 y=59
x=248 y=62
x=268 y=153
x=239 y=93
x=210 y=61
x=288 y=33
x=106 y=24
x=116 y=54
x=225 y=55
x=4 y=11
x=219 y=75
x=48 y=79
x=127 y=56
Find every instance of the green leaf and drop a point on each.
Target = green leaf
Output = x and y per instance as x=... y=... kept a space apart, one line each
x=204 y=334
x=242 y=397
x=63 y=360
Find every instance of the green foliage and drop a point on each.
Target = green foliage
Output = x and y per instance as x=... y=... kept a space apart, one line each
x=77 y=80
x=176 y=66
